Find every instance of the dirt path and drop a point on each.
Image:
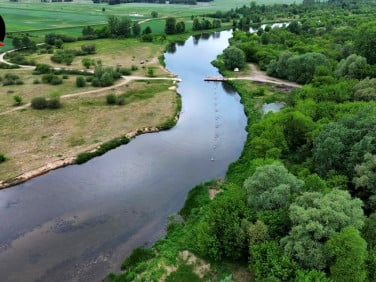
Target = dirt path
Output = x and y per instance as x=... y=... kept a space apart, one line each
x=260 y=76
x=124 y=81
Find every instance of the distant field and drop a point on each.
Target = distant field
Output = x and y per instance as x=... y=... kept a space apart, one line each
x=34 y=15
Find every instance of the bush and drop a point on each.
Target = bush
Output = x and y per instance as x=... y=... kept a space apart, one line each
x=51 y=79
x=42 y=68
x=2 y=158
x=84 y=157
x=80 y=81
x=88 y=48
x=17 y=100
x=111 y=99
x=138 y=255
x=39 y=103
x=54 y=103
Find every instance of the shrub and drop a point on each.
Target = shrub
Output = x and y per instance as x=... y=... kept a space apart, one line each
x=84 y=157
x=17 y=100
x=2 y=158
x=88 y=48
x=51 y=79
x=65 y=76
x=111 y=99
x=80 y=81
x=42 y=68
x=54 y=103
x=138 y=255
x=39 y=103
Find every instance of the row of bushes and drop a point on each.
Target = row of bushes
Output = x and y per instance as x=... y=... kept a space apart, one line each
x=40 y=103
x=84 y=157
x=11 y=79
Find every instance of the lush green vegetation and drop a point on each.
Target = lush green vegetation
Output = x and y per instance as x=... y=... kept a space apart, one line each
x=105 y=147
x=299 y=205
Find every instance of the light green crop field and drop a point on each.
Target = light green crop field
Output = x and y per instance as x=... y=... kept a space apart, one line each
x=35 y=16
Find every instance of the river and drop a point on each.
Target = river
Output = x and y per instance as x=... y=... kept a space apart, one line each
x=79 y=222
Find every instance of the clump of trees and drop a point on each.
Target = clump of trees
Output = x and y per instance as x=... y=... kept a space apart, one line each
x=173 y=27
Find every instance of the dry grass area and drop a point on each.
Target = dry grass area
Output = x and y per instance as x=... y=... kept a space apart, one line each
x=114 y=52
x=31 y=138
x=29 y=89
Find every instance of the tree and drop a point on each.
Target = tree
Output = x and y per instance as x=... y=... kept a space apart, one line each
x=315 y=219
x=365 y=180
x=233 y=57
x=136 y=29
x=86 y=62
x=17 y=42
x=269 y=263
x=80 y=81
x=154 y=14
x=170 y=27
x=17 y=100
x=365 y=90
x=196 y=24
x=147 y=30
x=222 y=231
x=353 y=66
x=365 y=42
x=348 y=251
x=301 y=68
x=271 y=187
x=180 y=27
x=125 y=27
x=342 y=144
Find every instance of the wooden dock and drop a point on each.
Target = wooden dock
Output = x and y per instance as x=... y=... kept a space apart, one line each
x=215 y=78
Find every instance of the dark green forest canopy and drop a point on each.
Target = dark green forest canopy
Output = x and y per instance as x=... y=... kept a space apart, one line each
x=300 y=203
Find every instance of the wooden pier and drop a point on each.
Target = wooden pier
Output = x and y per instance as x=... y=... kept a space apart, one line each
x=215 y=78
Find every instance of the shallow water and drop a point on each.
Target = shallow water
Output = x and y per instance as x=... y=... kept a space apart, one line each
x=78 y=223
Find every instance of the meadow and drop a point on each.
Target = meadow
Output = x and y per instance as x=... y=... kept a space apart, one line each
x=37 y=16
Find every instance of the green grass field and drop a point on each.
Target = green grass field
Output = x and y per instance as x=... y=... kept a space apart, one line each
x=37 y=16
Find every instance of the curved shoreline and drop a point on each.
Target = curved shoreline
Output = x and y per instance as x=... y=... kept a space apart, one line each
x=63 y=162
x=72 y=160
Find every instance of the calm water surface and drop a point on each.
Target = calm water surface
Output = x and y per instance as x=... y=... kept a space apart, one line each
x=78 y=223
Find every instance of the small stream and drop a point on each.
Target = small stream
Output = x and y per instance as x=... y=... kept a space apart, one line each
x=79 y=222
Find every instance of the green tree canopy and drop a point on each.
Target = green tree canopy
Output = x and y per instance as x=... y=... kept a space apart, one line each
x=233 y=57
x=365 y=42
x=316 y=218
x=271 y=187
x=348 y=251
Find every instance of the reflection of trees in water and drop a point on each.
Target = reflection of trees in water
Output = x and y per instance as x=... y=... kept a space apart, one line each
x=171 y=48
x=228 y=88
x=205 y=36
x=216 y=35
x=180 y=42
x=196 y=38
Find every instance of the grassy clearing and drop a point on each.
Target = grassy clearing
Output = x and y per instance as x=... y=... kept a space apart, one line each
x=29 y=89
x=50 y=135
x=114 y=52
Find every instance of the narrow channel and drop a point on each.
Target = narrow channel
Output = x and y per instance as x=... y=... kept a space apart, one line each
x=79 y=222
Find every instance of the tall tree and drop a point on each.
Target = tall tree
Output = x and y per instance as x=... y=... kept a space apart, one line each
x=316 y=218
x=348 y=251
x=365 y=42
x=170 y=27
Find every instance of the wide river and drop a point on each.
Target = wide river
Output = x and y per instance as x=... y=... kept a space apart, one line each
x=79 y=222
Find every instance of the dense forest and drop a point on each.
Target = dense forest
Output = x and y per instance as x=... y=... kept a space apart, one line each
x=300 y=203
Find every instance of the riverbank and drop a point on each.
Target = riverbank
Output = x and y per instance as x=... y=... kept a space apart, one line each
x=69 y=131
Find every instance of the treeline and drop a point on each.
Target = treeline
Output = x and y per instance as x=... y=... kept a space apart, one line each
x=186 y=2
x=300 y=203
